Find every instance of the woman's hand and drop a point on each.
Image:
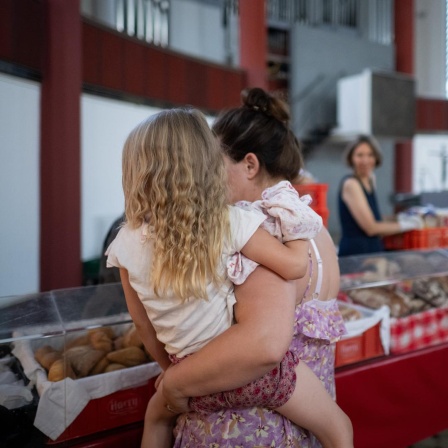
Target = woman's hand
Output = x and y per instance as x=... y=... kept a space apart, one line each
x=176 y=403
x=245 y=351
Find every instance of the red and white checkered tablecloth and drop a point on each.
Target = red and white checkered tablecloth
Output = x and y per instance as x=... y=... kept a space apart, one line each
x=419 y=330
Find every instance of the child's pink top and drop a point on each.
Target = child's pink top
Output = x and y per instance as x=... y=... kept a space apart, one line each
x=288 y=217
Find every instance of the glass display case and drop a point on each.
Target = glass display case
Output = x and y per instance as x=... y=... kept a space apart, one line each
x=387 y=268
x=413 y=284
x=74 y=357
x=402 y=397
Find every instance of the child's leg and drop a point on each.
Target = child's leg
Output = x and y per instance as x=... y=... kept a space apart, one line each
x=158 y=426
x=311 y=407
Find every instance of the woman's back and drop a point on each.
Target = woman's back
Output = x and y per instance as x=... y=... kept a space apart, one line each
x=317 y=322
x=330 y=270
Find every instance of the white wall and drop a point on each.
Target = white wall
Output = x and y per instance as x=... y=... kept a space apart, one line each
x=430 y=48
x=19 y=186
x=105 y=124
x=196 y=29
x=430 y=163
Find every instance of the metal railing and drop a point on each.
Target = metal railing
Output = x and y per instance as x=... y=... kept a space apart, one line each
x=144 y=19
x=372 y=19
x=147 y=20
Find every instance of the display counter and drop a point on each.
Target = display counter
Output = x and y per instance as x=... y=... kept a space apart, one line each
x=72 y=364
x=393 y=400
x=399 y=399
x=396 y=400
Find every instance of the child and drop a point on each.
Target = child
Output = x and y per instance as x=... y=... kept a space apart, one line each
x=172 y=252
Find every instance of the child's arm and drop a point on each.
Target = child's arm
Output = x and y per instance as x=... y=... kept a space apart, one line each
x=143 y=325
x=289 y=261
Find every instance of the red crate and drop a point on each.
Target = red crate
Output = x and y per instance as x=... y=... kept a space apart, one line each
x=120 y=408
x=359 y=348
x=324 y=213
x=418 y=239
x=318 y=193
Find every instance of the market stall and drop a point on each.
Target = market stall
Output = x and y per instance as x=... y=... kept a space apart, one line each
x=390 y=374
x=401 y=398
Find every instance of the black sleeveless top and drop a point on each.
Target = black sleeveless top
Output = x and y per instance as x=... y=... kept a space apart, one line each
x=354 y=240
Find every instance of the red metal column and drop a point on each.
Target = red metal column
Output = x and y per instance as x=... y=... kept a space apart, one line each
x=404 y=63
x=253 y=42
x=60 y=184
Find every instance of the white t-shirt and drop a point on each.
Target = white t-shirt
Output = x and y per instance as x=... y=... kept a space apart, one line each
x=183 y=326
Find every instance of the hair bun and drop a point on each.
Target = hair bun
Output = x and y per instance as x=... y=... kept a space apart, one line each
x=259 y=100
x=256 y=99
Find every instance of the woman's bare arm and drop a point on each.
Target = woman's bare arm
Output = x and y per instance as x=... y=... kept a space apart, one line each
x=248 y=349
x=354 y=198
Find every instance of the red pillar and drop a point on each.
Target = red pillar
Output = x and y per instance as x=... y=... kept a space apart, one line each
x=60 y=184
x=404 y=63
x=253 y=42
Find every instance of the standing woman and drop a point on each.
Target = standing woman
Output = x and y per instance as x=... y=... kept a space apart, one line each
x=260 y=151
x=359 y=213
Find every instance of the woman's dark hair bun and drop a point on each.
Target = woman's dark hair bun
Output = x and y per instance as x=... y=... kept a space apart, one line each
x=259 y=100
x=256 y=99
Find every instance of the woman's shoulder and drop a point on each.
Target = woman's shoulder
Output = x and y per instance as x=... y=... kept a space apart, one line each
x=348 y=178
x=350 y=183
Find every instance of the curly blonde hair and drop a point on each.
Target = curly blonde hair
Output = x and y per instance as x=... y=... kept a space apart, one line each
x=174 y=179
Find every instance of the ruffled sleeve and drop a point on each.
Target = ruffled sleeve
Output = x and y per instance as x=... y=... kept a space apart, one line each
x=319 y=319
x=293 y=217
x=113 y=251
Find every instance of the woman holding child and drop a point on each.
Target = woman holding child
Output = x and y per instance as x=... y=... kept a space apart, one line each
x=261 y=156
x=242 y=131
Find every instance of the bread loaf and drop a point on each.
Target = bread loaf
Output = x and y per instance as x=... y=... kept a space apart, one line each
x=101 y=340
x=82 y=359
x=114 y=366
x=80 y=340
x=100 y=366
x=41 y=352
x=349 y=314
x=49 y=358
x=132 y=338
x=376 y=297
x=129 y=356
x=96 y=351
x=60 y=370
x=118 y=343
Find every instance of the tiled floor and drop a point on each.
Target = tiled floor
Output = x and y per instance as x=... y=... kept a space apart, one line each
x=437 y=441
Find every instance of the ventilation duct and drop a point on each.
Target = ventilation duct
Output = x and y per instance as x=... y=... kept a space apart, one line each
x=382 y=104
